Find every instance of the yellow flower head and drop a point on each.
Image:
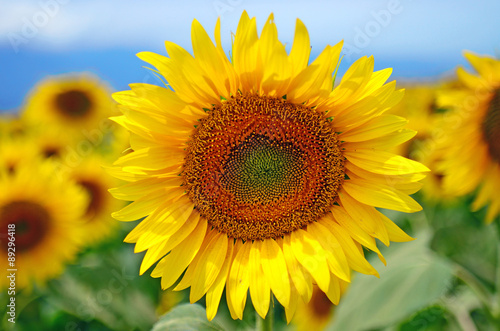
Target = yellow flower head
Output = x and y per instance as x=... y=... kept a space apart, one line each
x=317 y=313
x=91 y=176
x=45 y=212
x=76 y=102
x=471 y=146
x=255 y=174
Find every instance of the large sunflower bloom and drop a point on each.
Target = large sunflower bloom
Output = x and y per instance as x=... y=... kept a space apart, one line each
x=46 y=212
x=254 y=174
x=471 y=150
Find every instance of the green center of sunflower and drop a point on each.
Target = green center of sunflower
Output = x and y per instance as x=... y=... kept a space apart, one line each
x=262 y=170
x=261 y=167
x=73 y=103
x=31 y=222
x=491 y=126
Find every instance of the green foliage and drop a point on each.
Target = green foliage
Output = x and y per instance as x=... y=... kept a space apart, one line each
x=187 y=317
x=413 y=279
x=433 y=318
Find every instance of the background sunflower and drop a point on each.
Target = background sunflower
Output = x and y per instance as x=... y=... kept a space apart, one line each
x=44 y=208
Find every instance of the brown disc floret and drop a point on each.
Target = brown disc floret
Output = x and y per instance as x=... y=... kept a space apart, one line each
x=32 y=221
x=491 y=126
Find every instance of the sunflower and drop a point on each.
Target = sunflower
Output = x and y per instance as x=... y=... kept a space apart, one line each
x=255 y=175
x=432 y=185
x=419 y=108
x=79 y=102
x=45 y=211
x=15 y=149
x=317 y=313
x=471 y=149
x=52 y=140
x=91 y=176
x=11 y=125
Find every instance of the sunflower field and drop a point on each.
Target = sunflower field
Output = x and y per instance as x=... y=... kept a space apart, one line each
x=230 y=178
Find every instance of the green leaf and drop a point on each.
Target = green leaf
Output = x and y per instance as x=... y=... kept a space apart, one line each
x=414 y=278
x=186 y=317
x=473 y=247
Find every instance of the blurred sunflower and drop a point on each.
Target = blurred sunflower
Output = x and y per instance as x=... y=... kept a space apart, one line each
x=471 y=150
x=419 y=108
x=91 y=176
x=167 y=301
x=74 y=102
x=15 y=149
x=255 y=174
x=52 y=140
x=432 y=185
x=11 y=125
x=44 y=210
x=317 y=313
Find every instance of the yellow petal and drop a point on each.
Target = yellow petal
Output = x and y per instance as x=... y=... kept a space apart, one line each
x=210 y=265
x=292 y=306
x=311 y=256
x=395 y=233
x=140 y=188
x=157 y=251
x=259 y=285
x=238 y=281
x=301 y=280
x=357 y=230
x=275 y=270
x=141 y=207
x=301 y=48
x=374 y=128
x=382 y=196
x=333 y=292
x=171 y=267
x=245 y=54
x=384 y=163
x=214 y=294
x=354 y=80
x=148 y=222
x=152 y=158
x=208 y=57
x=166 y=224
x=189 y=276
x=354 y=257
x=365 y=216
x=335 y=255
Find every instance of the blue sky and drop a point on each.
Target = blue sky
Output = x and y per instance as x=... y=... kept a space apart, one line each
x=419 y=39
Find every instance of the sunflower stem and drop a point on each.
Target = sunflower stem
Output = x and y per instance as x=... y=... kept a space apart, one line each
x=266 y=324
x=475 y=285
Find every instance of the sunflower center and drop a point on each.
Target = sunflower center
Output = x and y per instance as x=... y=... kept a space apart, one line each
x=31 y=220
x=321 y=305
x=73 y=103
x=50 y=151
x=95 y=193
x=260 y=167
x=262 y=170
x=491 y=126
